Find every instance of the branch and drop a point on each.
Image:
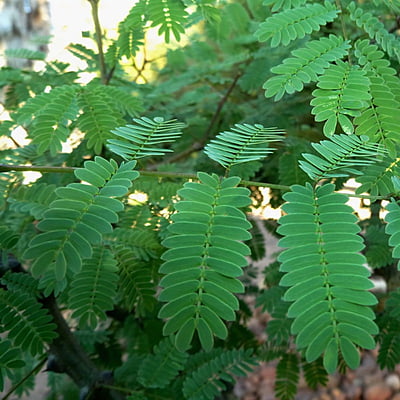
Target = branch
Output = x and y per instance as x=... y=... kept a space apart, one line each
x=95 y=15
x=36 y=168
x=221 y=104
x=34 y=371
x=70 y=358
x=196 y=146
x=345 y=36
x=163 y=174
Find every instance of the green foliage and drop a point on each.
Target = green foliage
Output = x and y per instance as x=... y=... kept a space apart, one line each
x=18 y=281
x=393 y=227
x=315 y=373
x=93 y=289
x=284 y=4
x=292 y=24
x=242 y=144
x=388 y=338
x=343 y=90
x=378 y=252
x=158 y=369
x=135 y=280
x=169 y=15
x=208 y=380
x=329 y=308
x=25 y=53
x=97 y=119
x=149 y=279
x=139 y=140
x=375 y=29
x=308 y=62
x=341 y=156
x=34 y=200
x=29 y=326
x=10 y=358
x=79 y=217
x=287 y=376
x=208 y=223
x=377 y=179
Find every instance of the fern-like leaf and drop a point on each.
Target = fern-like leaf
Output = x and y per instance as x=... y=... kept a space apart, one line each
x=278 y=328
x=389 y=349
x=84 y=53
x=340 y=156
x=257 y=242
x=287 y=377
x=315 y=373
x=289 y=170
x=20 y=281
x=378 y=251
x=204 y=259
x=375 y=29
x=130 y=34
x=144 y=244
x=269 y=299
x=126 y=102
x=308 y=62
x=324 y=270
x=27 y=54
x=343 y=90
x=79 y=217
x=291 y=24
x=10 y=358
x=208 y=381
x=28 y=324
x=34 y=199
x=139 y=140
x=93 y=289
x=8 y=238
x=49 y=115
x=284 y=4
x=373 y=62
x=7 y=182
x=380 y=121
x=391 y=4
x=377 y=178
x=170 y=15
x=393 y=227
x=157 y=370
x=135 y=280
x=97 y=119
x=243 y=143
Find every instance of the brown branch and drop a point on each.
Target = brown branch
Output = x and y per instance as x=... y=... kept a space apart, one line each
x=70 y=358
x=221 y=104
x=196 y=146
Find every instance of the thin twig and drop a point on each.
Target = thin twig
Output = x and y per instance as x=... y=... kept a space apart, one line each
x=221 y=104
x=345 y=36
x=118 y=388
x=196 y=146
x=99 y=40
x=164 y=174
x=36 y=168
x=34 y=371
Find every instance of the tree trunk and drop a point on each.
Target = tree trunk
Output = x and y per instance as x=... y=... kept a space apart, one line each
x=23 y=24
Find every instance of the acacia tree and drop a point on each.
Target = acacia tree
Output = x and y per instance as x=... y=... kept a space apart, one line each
x=145 y=298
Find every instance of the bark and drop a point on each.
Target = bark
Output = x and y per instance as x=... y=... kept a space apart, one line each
x=21 y=21
x=67 y=356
